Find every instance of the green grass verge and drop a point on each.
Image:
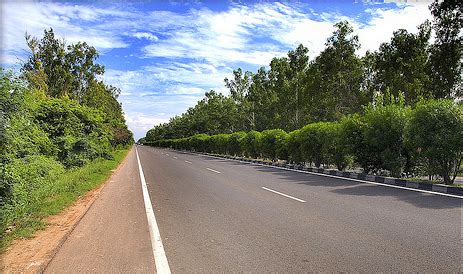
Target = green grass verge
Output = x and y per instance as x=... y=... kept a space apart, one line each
x=56 y=195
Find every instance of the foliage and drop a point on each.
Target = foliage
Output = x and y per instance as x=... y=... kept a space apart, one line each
x=316 y=141
x=42 y=187
x=272 y=143
x=77 y=131
x=401 y=64
x=435 y=133
x=376 y=139
x=250 y=144
x=446 y=52
x=384 y=137
x=54 y=117
x=234 y=143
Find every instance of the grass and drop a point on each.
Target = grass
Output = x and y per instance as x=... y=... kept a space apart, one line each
x=53 y=197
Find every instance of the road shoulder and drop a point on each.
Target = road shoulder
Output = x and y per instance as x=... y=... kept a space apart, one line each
x=34 y=254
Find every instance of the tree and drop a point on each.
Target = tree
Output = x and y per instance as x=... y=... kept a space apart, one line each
x=401 y=64
x=239 y=90
x=446 y=52
x=263 y=100
x=66 y=71
x=334 y=78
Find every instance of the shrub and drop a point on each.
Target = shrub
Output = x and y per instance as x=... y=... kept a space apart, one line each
x=234 y=143
x=376 y=139
x=272 y=143
x=219 y=143
x=23 y=177
x=316 y=139
x=294 y=146
x=435 y=133
x=337 y=153
x=198 y=142
x=250 y=144
x=384 y=137
x=78 y=131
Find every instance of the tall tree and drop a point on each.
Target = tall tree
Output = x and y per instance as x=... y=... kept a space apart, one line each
x=334 y=78
x=401 y=64
x=239 y=89
x=298 y=62
x=446 y=52
x=263 y=100
x=66 y=71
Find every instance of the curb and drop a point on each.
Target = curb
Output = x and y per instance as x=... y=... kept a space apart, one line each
x=440 y=188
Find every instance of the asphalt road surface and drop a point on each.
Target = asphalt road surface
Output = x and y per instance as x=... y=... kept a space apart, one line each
x=221 y=215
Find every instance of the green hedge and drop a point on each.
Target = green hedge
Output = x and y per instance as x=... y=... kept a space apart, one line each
x=391 y=140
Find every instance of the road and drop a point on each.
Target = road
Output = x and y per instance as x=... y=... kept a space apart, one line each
x=221 y=215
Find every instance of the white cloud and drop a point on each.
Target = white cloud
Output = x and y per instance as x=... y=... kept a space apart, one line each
x=66 y=20
x=385 y=22
x=140 y=123
x=146 y=35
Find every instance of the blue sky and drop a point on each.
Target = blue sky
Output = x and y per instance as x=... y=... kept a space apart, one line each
x=165 y=55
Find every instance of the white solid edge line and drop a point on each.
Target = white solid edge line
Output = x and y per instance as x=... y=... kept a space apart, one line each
x=187 y=162
x=339 y=177
x=160 y=259
x=210 y=169
x=282 y=194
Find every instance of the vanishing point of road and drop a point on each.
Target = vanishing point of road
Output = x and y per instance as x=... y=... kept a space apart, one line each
x=216 y=215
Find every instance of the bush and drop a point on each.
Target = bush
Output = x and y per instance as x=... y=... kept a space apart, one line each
x=337 y=153
x=250 y=144
x=23 y=177
x=78 y=131
x=219 y=143
x=376 y=139
x=234 y=143
x=316 y=139
x=384 y=137
x=294 y=146
x=272 y=143
x=198 y=142
x=435 y=133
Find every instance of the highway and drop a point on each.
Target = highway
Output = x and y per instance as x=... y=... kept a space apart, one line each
x=221 y=215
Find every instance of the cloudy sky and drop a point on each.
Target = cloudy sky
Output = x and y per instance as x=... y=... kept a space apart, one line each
x=165 y=55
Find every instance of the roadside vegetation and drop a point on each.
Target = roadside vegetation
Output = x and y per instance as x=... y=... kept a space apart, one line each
x=395 y=111
x=62 y=131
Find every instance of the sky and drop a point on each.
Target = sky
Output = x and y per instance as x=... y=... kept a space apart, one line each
x=164 y=55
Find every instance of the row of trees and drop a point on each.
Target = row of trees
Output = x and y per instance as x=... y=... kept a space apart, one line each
x=55 y=115
x=387 y=138
x=294 y=90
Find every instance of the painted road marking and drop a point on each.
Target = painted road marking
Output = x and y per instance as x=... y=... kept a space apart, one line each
x=282 y=194
x=174 y=157
x=160 y=259
x=167 y=154
x=210 y=169
x=344 y=178
x=188 y=162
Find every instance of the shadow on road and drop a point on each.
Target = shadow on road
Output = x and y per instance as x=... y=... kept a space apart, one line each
x=353 y=188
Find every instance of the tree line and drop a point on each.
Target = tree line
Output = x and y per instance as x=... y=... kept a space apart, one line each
x=388 y=139
x=294 y=90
